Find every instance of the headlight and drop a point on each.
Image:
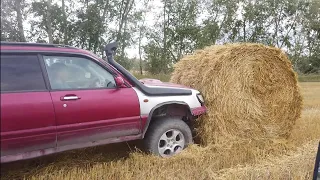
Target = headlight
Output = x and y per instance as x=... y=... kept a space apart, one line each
x=200 y=98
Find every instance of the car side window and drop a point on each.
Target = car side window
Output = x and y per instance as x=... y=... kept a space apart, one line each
x=76 y=73
x=21 y=73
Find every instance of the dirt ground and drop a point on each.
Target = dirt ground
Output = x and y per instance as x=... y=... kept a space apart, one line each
x=124 y=161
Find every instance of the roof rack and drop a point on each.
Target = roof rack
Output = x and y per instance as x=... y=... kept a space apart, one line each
x=34 y=44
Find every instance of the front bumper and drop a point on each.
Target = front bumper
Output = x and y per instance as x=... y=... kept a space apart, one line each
x=199 y=110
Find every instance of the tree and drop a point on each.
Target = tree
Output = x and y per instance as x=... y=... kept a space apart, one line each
x=48 y=21
x=89 y=28
x=221 y=22
x=174 y=35
x=182 y=28
x=312 y=27
x=18 y=8
x=179 y=27
x=154 y=61
x=142 y=31
x=12 y=20
x=50 y=24
x=65 y=23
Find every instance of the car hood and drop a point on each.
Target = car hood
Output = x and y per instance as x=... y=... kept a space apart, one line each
x=156 y=82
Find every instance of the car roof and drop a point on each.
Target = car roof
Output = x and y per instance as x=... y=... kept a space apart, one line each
x=41 y=47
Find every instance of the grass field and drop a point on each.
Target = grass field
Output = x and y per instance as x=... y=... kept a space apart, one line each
x=309 y=78
x=123 y=161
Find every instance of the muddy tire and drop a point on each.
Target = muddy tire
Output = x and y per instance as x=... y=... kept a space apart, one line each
x=167 y=136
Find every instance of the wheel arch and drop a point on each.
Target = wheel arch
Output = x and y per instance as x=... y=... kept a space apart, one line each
x=170 y=104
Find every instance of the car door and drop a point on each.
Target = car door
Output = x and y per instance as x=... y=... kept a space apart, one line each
x=88 y=105
x=27 y=114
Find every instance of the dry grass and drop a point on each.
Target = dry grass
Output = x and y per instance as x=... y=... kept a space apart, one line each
x=311 y=99
x=196 y=163
x=296 y=165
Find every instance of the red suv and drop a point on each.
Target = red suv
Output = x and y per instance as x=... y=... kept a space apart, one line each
x=56 y=98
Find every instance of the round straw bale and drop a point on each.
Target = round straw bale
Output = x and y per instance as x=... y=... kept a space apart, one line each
x=250 y=90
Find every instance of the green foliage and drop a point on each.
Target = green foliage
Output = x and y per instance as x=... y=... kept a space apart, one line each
x=125 y=62
x=162 y=77
x=40 y=28
x=90 y=29
x=155 y=63
x=309 y=78
x=11 y=20
x=310 y=65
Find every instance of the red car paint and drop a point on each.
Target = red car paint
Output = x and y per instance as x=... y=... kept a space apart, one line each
x=27 y=122
x=199 y=110
x=34 y=124
x=95 y=113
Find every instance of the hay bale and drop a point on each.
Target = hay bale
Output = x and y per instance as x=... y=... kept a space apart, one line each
x=250 y=90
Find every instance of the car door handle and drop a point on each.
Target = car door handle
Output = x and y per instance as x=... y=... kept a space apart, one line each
x=69 y=98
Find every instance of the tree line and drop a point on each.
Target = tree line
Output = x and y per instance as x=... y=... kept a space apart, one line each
x=179 y=27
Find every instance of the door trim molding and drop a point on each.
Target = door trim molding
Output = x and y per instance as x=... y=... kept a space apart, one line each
x=96 y=124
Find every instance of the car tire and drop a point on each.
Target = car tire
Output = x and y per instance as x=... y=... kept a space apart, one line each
x=168 y=136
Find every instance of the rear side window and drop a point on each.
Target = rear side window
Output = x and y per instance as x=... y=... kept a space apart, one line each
x=21 y=73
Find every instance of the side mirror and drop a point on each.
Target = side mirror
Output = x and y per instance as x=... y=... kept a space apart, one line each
x=119 y=82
